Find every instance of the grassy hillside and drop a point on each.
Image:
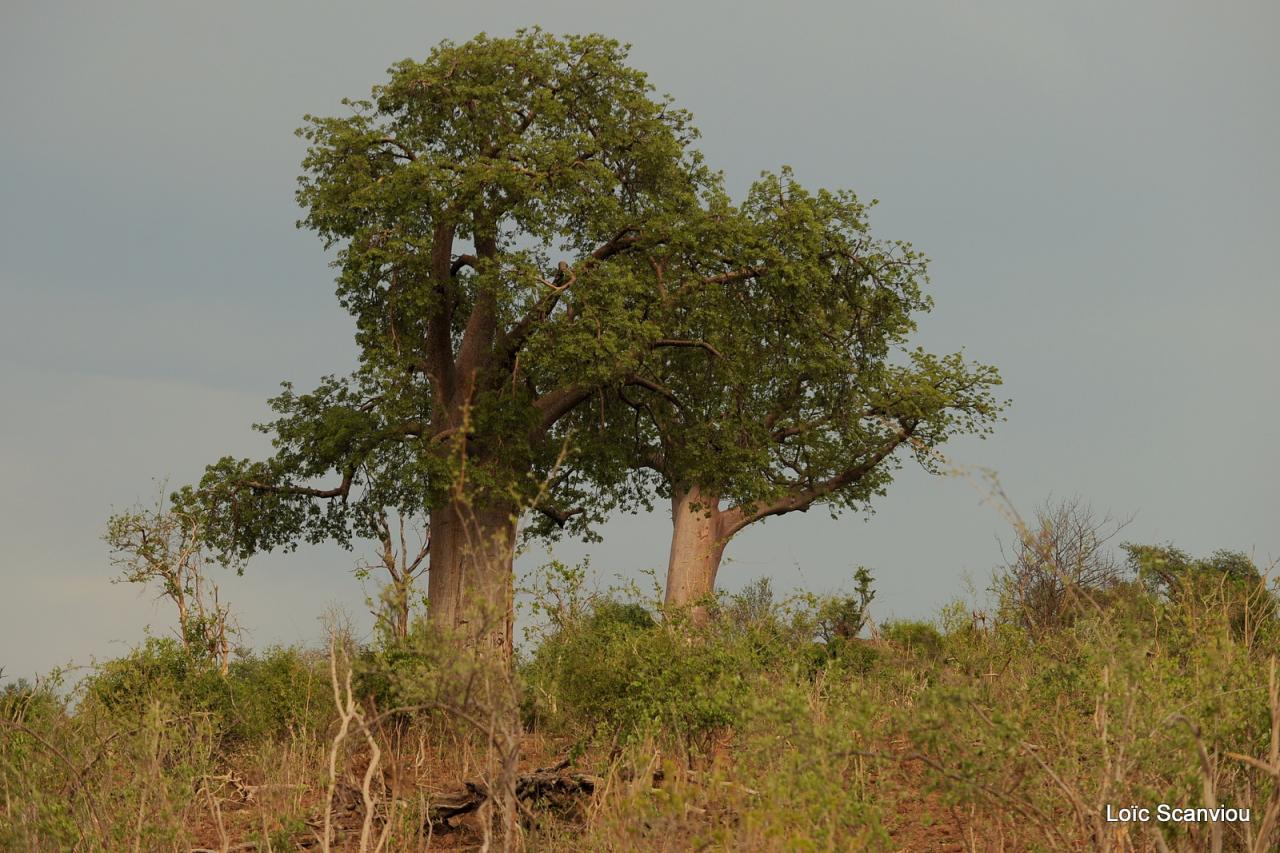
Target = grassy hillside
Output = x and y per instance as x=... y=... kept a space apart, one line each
x=773 y=725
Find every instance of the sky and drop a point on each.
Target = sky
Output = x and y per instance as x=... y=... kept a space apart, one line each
x=1096 y=184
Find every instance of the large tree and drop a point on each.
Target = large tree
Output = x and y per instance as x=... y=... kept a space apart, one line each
x=554 y=299
x=487 y=206
x=794 y=384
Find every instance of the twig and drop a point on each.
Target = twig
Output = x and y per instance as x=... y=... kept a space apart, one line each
x=216 y=810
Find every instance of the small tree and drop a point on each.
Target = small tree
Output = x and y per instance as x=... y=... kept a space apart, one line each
x=163 y=546
x=1058 y=563
x=842 y=617
x=403 y=564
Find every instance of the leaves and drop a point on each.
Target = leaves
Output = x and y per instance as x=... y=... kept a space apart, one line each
x=792 y=374
x=559 y=308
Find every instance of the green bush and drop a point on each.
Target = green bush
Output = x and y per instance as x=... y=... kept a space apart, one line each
x=275 y=694
x=617 y=672
x=281 y=692
x=27 y=703
x=919 y=638
x=400 y=672
x=160 y=669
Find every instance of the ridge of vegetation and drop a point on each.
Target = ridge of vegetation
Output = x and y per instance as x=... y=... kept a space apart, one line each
x=793 y=724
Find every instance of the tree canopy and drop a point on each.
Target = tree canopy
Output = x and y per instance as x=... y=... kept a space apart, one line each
x=559 y=310
x=794 y=383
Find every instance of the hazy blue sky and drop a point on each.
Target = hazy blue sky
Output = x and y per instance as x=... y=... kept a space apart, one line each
x=1096 y=183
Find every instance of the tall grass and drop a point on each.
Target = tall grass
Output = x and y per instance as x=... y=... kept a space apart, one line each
x=775 y=726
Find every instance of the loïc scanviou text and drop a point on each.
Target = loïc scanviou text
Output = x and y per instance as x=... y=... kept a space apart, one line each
x=1165 y=813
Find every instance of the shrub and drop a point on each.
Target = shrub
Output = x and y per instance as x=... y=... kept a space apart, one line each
x=24 y=702
x=161 y=668
x=920 y=638
x=617 y=672
x=279 y=693
x=1058 y=567
x=275 y=694
x=399 y=671
x=1226 y=582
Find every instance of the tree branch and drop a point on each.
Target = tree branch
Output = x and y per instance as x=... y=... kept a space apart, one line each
x=339 y=491
x=620 y=242
x=560 y=517
x=462 y=261
x=801 y=498
x=729 y=277
x=672 y=342
x=478 y=338
x=405 y=151
x=641 y=382
x=408 y=429
x=556 y=404
x=566 y=275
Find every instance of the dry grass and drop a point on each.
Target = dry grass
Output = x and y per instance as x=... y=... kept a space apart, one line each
x=970 y=734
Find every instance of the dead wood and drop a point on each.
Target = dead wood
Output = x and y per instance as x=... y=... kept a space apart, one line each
x=549 y=787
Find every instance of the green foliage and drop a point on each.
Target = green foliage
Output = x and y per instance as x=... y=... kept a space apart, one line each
x=165 y=548
x=392 y=673
x=1226 y=581
x=451 y=196
x=770 y=726
x=559 y=308
x=24 y=702
x=610 y=670
x=785 y=377
x=277 y=694
x=920 y=638
x=617 y=673
x=794 y=757
x=827 y=627
x=753 y=606
x=842 y=617
x=1114 y=704
x=77 y=776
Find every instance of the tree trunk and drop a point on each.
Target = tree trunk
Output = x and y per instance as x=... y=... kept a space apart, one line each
x=400 y=609
x=469 y=587
x=697 y=544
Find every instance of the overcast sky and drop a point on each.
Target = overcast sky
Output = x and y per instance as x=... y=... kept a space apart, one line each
x=1096 y=183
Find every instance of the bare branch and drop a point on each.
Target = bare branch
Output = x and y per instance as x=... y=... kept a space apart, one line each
x=559 y=516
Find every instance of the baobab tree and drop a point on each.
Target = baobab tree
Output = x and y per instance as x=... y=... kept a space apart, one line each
x=486 y=205
x=794 y=385
x=545 y=278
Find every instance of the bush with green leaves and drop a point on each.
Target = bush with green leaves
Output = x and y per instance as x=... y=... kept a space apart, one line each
x=917 y=637
x=277 y=693
x=1124 y=703
x=1225 y=581
x=25 y=702
x=617 y=672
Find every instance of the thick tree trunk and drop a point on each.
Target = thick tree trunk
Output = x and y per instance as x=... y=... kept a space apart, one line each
x=697 y=543
x=469 y=587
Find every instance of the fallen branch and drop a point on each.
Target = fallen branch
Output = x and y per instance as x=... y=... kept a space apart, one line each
x=549 y=784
